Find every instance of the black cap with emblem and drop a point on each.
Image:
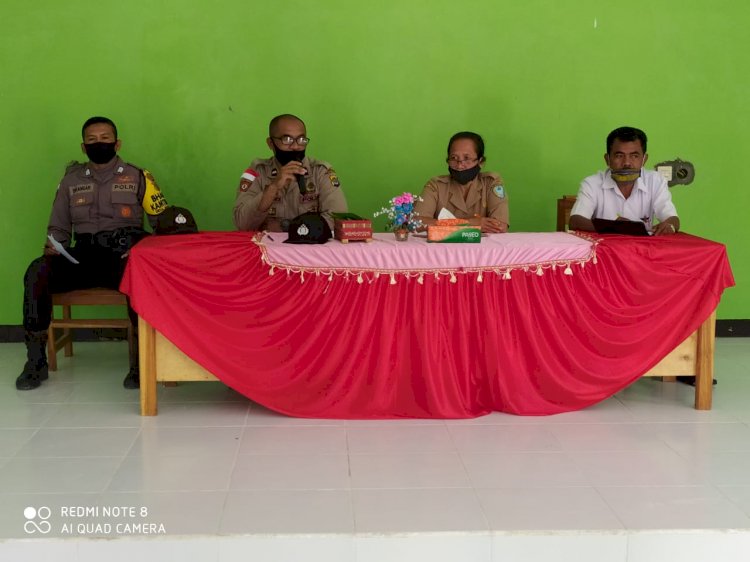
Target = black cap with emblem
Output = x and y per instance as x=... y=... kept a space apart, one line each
x=175 y=220
x=309 y=228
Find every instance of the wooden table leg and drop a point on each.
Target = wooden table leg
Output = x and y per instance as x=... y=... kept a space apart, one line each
x=704 y=364
x=147 y=360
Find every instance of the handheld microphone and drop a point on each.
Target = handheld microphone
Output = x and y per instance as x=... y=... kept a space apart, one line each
x=301 y=183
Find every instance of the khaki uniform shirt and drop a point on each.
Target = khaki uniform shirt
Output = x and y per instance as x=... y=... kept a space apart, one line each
x=323 y=194
x=90 y=200
x=486 y=198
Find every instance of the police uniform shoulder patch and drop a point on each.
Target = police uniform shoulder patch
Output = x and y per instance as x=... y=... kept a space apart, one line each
x=249 y=175
x=334 y=178
x=244 y=185
x=153 y=202
x=499 y=190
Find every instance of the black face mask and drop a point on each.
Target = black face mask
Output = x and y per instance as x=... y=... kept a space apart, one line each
x=286 y=156
x=464 y=176
x=100 y=152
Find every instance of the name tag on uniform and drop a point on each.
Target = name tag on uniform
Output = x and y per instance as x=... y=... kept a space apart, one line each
x=307 y=197
x=120 y=187
x=77 y=189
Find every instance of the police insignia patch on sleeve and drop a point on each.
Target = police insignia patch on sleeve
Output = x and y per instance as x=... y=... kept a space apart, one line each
x=499 y=191
x=334 y=179
x=153 y=201
x=249 y=175
x=244 y=185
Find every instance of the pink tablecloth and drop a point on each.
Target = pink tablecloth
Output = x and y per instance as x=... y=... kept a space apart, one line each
x=499 y=253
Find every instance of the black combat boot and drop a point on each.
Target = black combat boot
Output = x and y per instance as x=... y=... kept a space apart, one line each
x=133 y=378
x=35 y=370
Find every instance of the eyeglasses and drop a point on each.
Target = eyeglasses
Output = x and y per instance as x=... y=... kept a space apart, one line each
x=456 y=161
x=288 y=140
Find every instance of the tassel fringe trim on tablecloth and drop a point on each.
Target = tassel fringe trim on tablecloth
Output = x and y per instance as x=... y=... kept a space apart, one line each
x=364 y=275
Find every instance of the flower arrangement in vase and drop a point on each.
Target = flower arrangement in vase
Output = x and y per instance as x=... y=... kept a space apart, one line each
x=401 y=217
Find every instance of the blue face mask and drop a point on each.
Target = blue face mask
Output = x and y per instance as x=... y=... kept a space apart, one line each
x=464 y=176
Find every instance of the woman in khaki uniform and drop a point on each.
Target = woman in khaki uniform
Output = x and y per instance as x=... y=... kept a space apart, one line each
x=466 y=191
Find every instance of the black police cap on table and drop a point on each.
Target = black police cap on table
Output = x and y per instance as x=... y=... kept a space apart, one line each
x=309 y=228
x=175 y=220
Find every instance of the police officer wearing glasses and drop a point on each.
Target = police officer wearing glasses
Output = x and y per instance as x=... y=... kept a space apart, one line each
x=273 y=191
x=97 y=216
x=466 y=192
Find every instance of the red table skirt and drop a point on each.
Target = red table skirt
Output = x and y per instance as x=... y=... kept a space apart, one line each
x=530 y=345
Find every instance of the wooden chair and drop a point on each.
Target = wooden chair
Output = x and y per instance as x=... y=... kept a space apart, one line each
x=564 y=205
x=82 y=297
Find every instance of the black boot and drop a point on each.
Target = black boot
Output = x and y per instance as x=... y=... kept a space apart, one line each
x=690 y=380
x=133 y=378
x=35 y=370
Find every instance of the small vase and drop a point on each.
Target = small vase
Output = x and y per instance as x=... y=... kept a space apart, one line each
x=402 y=234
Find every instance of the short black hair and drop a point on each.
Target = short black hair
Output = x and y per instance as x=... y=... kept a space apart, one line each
x=275 y=121
x=626 y=134
x=478 y=142
x=93 y=121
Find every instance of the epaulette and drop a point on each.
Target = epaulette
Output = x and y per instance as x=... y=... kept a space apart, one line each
x=73 y=166
x=141 y=170
x=261 y=163
x=495 y=177
x=322 y=163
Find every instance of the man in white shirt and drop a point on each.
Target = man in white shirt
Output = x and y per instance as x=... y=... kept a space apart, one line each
x=626 y=191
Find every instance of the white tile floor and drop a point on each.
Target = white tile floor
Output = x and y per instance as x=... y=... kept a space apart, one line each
x=640 y=477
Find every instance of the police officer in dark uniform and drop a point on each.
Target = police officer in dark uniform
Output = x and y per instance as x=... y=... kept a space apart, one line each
x=99 y=205
x=273 y=191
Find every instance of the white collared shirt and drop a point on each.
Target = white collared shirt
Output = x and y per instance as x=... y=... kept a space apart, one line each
x=599 y=197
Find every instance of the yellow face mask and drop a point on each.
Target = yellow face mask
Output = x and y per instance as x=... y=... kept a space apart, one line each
x=153 y=200
x=626 y=175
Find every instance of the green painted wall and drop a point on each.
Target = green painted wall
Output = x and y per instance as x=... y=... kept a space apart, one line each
x=382 y=86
